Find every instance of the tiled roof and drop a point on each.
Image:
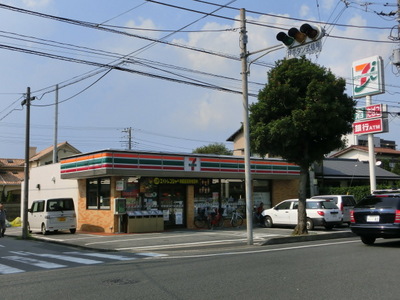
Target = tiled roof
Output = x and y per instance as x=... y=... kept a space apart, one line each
x=50 y=149
x=342 y=168
x=11 y=162
x=11 y=178
x=378 y=150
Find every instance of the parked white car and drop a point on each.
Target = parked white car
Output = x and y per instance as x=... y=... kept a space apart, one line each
x=320 y=212
x=345 y=203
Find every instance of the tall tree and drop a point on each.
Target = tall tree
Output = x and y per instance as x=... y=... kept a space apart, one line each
x=301 y=115
x=215 y=148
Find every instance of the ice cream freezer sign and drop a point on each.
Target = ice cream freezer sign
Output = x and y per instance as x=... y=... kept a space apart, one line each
x=370 y=126
x=370 y=112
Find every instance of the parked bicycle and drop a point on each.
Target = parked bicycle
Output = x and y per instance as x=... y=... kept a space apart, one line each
x=201 y=220
x=216 y=219
x=236 y=219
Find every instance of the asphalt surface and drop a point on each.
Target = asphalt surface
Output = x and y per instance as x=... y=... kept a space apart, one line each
x=183 y=239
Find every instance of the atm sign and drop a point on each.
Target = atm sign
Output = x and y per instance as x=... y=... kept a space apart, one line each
x=370 y=126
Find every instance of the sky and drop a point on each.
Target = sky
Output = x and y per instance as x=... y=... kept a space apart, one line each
x=169 y=72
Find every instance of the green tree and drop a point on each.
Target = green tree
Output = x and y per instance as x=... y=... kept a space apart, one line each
x=215 y=148
x=301 y=115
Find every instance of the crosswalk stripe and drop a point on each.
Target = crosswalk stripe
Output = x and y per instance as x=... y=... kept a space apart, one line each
x=9 y=270
x=101 y=255
x=34 y=262
x=79 y=260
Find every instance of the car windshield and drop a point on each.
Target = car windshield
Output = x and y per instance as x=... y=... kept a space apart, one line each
x=321 y=204
x=60 y=204
x=379 y=202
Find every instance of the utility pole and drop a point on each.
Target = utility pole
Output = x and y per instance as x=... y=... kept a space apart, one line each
x=129 y=131
x=55 y=158
x=27 y=103
x=246 y=131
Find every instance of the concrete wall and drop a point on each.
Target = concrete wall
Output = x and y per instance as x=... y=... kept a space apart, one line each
x=45 y=182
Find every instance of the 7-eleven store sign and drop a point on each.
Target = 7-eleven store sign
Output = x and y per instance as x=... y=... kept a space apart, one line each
x=192 y=164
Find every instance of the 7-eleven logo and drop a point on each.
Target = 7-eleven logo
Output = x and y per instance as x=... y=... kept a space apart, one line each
x=367 y=73
x=192 y=164
x=368 y=76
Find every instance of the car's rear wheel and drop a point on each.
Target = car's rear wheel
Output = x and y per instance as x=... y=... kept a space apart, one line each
x=44 y=230
x=72 y=230
x=367 y=240
x=268 y=222
x=309 y=224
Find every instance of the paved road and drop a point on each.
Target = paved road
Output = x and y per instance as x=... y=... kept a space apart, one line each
x=182 y=239
x=329 y=269
x=19 y=256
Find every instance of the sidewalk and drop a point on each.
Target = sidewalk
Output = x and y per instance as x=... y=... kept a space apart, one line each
x=181 y=239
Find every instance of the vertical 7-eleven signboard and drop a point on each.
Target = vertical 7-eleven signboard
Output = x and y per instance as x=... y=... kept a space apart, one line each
x=368 y=77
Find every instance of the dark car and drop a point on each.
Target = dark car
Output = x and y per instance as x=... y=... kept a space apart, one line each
x=377 y=216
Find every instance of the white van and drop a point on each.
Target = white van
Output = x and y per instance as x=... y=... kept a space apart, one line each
x=52 y=215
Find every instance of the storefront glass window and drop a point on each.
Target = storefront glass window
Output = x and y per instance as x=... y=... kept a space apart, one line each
x=206 y=196
x=98 y=193
x=262 y=193
x=131 y=194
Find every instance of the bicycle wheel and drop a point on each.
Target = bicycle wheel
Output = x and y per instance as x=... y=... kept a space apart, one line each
x=239 y=221
x=221 y=222
x=200 y=222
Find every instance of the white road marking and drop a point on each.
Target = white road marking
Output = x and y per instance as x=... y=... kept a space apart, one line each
x=9 y=270
x=102 y=255
x=182 y=245
x=78 y=260
x=259 y=251
x=34 y=262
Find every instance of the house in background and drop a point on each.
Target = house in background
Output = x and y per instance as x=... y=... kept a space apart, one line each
x=12 y=172
x=345 y=168
x=11 y=175
x=45 y=157
x=346 y=172
x=361 y=153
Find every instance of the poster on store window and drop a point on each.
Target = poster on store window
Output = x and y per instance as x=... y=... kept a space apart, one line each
x=178 y=217
x=262 y=197
x=166 y=215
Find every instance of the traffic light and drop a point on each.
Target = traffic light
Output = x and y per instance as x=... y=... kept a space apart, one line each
x=295 y=37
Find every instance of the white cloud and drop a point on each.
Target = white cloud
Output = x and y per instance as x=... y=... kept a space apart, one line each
x=304 y=11
x=36 y=3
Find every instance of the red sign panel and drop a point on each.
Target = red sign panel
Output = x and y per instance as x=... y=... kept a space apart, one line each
x=369 y=126
x=374 y=111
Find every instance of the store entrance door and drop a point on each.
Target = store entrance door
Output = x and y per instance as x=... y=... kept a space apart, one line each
x=172 y=200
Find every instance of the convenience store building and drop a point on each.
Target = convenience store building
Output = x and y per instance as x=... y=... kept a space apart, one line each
x=119 y=190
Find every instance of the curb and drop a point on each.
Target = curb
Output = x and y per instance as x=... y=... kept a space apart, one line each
x=307 y=238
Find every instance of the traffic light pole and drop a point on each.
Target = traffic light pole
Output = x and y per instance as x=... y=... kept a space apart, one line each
x=246 y=131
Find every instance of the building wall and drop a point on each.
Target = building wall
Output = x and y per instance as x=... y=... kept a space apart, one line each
x=45 y=182
x=284 y=189
x=96 y=220
x=238 y=146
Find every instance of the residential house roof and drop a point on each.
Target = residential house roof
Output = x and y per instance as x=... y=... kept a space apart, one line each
x=11 y=171
x=344 y=168
x=48 y=150
x=377 y=150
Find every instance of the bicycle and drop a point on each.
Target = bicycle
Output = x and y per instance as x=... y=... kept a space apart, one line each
x=216 y=219
x=201 y=220
x=236 y=219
